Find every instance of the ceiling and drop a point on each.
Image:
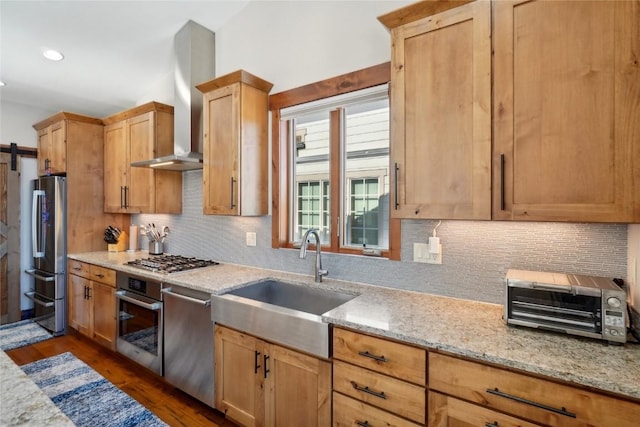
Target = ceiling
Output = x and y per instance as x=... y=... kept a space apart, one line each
x=115 y=52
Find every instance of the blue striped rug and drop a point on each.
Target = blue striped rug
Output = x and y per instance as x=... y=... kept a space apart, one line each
x=19 y=334
x=85 y=396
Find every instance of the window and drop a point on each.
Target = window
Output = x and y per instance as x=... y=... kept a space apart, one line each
x=332 y=167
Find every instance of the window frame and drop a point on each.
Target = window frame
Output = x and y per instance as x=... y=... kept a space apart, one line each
x=281 y=155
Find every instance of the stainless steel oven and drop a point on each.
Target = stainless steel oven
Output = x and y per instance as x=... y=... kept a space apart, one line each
x=140 y=321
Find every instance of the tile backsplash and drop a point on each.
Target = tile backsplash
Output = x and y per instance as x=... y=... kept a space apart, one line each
x=476 y=254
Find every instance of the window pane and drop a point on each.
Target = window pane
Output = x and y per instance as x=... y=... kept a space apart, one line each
x=311 y=175
x=367 y=170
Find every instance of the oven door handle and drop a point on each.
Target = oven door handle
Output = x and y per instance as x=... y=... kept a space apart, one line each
x=168 y=291
x=123 y=296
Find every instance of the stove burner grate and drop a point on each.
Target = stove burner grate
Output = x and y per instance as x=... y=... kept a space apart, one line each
x=170 y=263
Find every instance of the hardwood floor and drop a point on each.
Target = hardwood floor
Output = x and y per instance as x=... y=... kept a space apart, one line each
x=173 y=406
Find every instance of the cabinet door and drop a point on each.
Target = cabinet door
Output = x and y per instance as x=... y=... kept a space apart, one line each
x=220 y=151
x=116 y=164
x=441 y=124
x=44 y=150
x=239 y=384
x=79 y=304
x=141 y=137
x=104 y=314
x=566 y=90
x=298 y=389
x=447 y=411
x=58 y=153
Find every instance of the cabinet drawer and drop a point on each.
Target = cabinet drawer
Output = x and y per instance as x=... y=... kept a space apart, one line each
x=348 y=412
x=79 y=268
x=391 y=358
x=446 y=411
x=399 y=397
x=103 y=275
x=539 y=400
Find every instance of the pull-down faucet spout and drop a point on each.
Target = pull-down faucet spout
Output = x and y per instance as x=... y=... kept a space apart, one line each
x=319 y=272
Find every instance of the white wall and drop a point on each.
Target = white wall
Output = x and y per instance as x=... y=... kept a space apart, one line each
x=16 y=125
x=293 y=43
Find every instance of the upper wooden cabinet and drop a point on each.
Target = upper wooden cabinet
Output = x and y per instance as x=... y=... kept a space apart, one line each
x=77 y=142
x=53 y=133
x=566 y=109
x=142 y=133
x=235 y=156
x=441 y=113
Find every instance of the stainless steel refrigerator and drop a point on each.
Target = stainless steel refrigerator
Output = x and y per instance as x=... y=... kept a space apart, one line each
x=49 y=246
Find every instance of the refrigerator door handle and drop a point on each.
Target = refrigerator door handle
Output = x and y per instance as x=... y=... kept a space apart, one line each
x=33 y=273
x=32 y=296
x=37 y=234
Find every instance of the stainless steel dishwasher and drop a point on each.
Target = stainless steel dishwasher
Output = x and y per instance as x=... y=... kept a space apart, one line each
x=188 y=342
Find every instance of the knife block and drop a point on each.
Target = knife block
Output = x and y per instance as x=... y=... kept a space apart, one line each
x=121 y=245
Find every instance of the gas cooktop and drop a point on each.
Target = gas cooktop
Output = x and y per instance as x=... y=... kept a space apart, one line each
x=170 y=263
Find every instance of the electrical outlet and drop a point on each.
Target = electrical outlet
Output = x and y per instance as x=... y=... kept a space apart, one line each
x=421 y=254
x=435 y=258
x=251 y=238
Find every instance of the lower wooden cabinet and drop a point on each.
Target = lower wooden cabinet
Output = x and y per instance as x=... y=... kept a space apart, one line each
x=348 y=412
x=445 y=411
x=263 y=384
x=492 y=391
x=91 y=302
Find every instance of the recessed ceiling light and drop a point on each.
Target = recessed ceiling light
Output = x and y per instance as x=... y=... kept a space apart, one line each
x=53 y=55
x=2 y=83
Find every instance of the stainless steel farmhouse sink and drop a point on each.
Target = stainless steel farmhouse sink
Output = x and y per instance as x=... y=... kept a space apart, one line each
x=281 y=312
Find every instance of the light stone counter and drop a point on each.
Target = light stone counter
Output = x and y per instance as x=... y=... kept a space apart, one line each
x=462 y=327
x=22 y=403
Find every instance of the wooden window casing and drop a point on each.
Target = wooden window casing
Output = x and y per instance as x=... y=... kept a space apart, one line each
x=350 y=82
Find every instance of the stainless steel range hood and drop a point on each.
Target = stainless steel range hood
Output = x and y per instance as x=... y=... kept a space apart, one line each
x=194 y=52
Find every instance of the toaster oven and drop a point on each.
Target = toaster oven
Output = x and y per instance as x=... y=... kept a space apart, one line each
x=587 y=306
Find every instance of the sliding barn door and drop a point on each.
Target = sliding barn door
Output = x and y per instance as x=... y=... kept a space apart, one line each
x=9 y=241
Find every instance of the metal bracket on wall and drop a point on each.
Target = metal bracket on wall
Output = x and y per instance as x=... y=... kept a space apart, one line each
x=16 y=151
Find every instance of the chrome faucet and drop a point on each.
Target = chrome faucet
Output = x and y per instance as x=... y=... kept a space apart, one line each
x=319 y=272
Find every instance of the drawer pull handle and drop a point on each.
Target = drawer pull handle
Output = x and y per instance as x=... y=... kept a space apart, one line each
x=493 y=424
x=561 y=411
x=379 y=394
x=100 y=275
x=266 y=367
x=362 y=423
x=373 y=356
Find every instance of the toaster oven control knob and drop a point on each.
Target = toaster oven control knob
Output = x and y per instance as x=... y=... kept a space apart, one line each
x=614 y=302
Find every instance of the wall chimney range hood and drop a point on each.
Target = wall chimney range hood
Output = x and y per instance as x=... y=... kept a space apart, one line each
x=194 y=54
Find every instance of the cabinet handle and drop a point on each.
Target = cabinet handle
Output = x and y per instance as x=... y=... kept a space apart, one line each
x=77 y=268
x=502 y=181
x=86 y=292
x=126 y=196
x=233 y=181
x=493 y=424
x=101 y=276
x=122 y=196
x=362 y=423
x=266 y=369
x=256 y=365
x=379 y=394
x=373 y=356
x=561 y=411
x=396 y=185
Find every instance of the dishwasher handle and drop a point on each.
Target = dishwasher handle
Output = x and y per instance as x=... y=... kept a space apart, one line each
x=169 y=291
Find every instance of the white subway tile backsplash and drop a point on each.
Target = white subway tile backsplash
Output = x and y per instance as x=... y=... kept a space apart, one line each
x=476 y=254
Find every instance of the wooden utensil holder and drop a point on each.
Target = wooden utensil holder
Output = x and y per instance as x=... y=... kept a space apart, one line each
x=121 y=245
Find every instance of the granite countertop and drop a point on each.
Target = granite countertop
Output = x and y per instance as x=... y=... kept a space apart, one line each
x=22 y=402
x=460 y=327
